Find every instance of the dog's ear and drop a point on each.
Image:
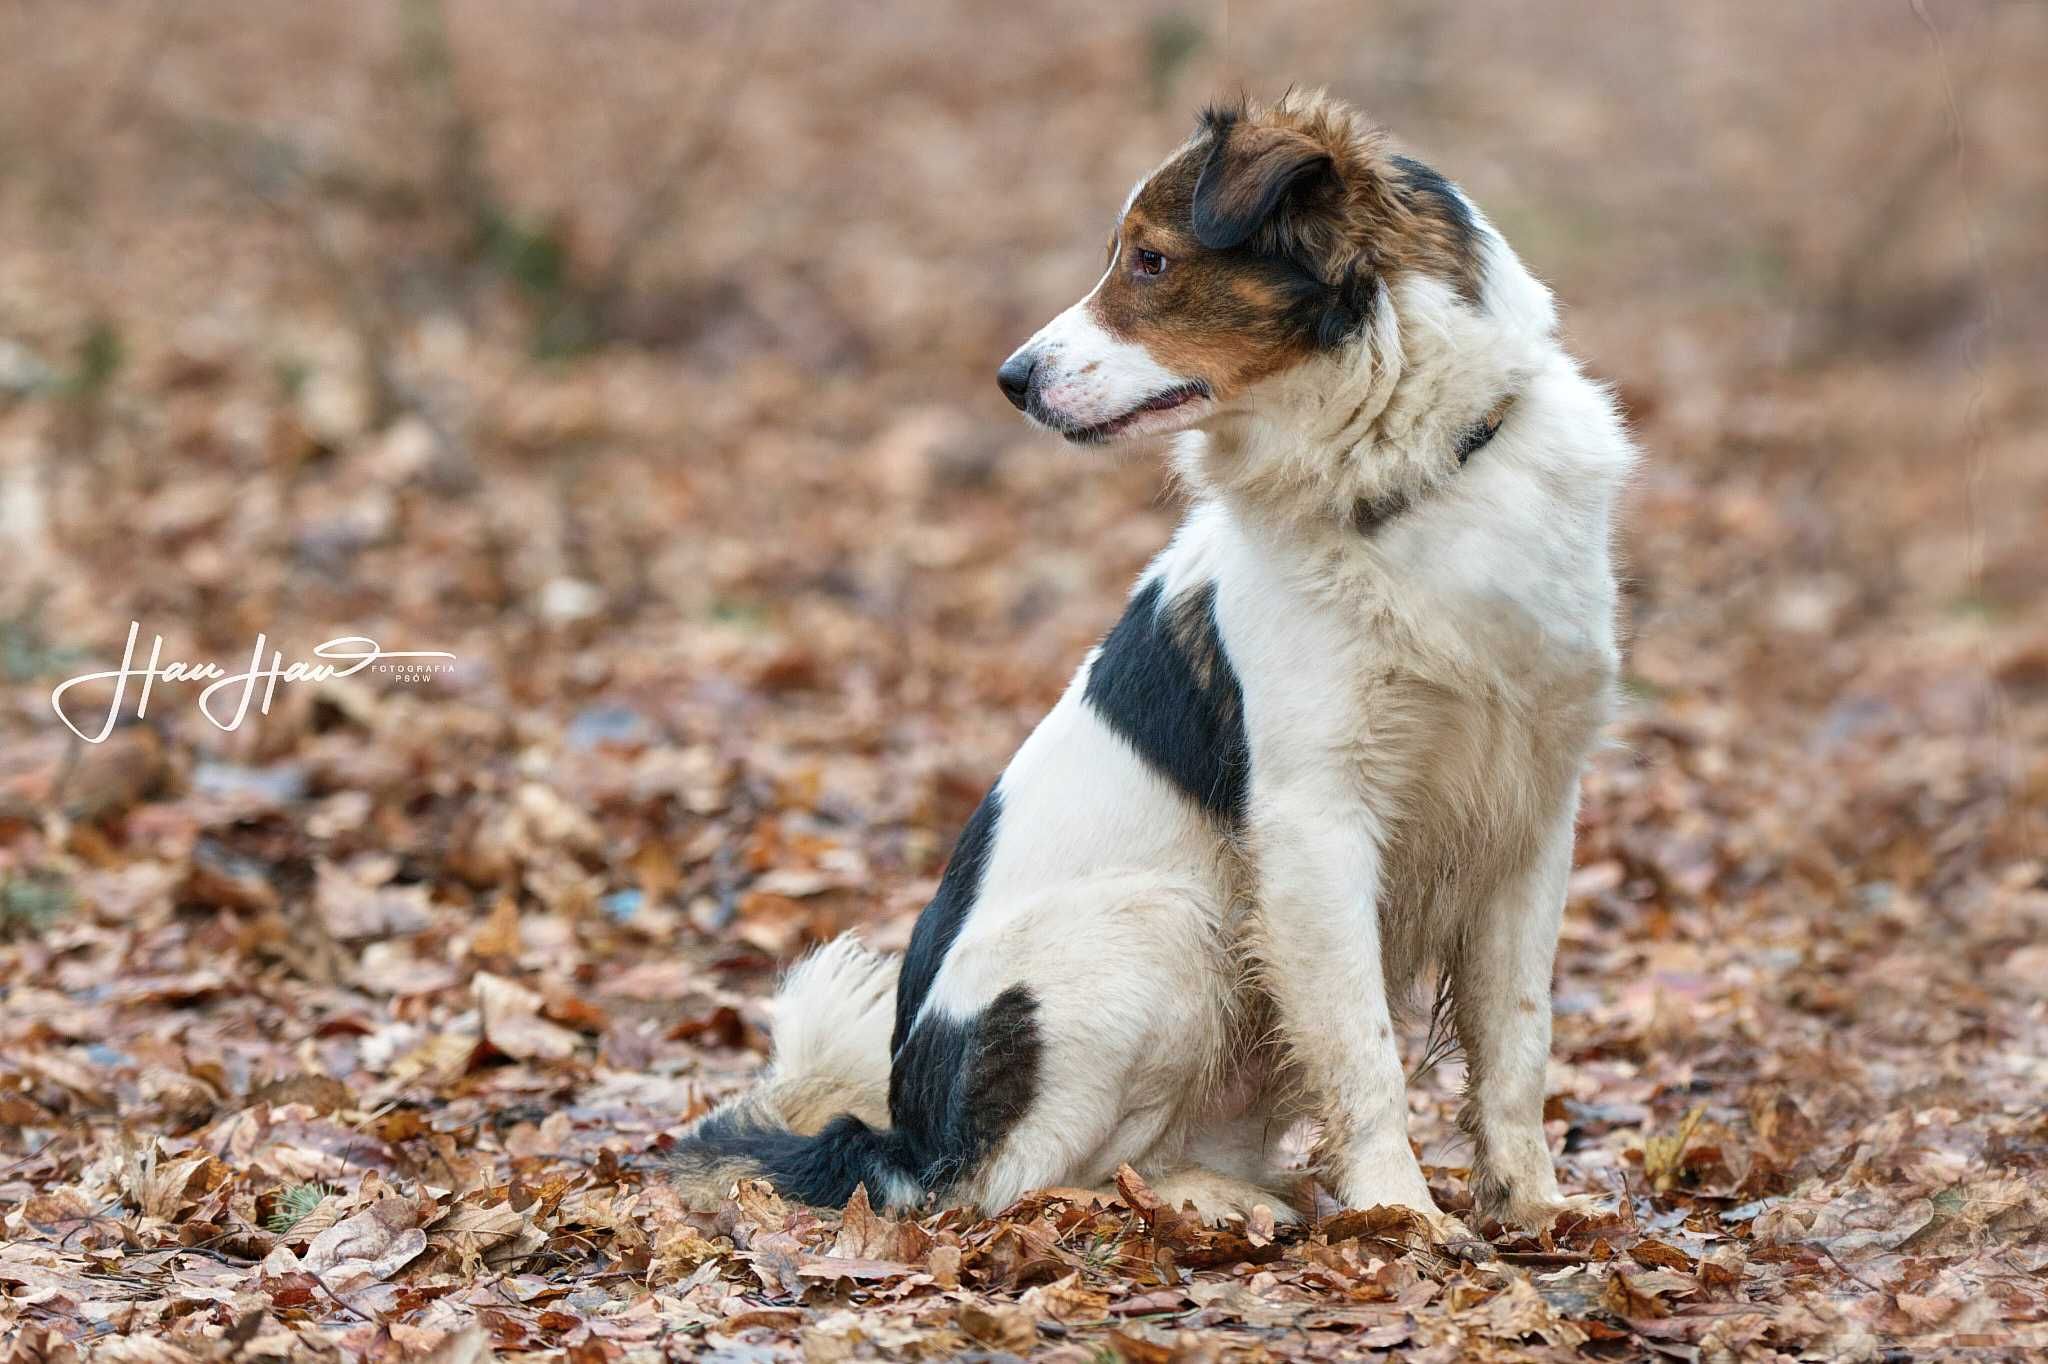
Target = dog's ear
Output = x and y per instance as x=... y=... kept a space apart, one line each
x=1252 y=173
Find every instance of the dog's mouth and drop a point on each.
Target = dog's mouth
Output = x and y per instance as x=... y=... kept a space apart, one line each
x=1176 y=397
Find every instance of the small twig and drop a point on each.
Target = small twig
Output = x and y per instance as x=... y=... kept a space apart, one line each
x=14 y=1165
x=67 y=767
x=1822 y=1247
x=1544 y=1259
x=1142 y=1317
x=1975 y=431
x=348 y=1306
x=203 y=1249
x=432 y=56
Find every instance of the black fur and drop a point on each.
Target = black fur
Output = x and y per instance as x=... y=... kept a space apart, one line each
x=1340 y=310
x=1451 y=208
x=821 y=1170
x=940 y=922
x=956 y=1089
x=1219 y=228
x=1218 y=119
x=1427 y=180
x=1164 y=683
x=1475 y=438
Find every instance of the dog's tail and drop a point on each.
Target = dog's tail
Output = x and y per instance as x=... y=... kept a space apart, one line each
x=815 y=1126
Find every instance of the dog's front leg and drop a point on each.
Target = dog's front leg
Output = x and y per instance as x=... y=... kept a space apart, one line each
x=1500 y=982
x=1318 y=867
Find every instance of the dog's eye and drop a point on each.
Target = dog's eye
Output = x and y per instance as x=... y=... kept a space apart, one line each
x=1149 y=262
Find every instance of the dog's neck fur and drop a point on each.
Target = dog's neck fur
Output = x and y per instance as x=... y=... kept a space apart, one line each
x=1380 y=421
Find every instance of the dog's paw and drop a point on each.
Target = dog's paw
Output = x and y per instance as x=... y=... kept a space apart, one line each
x=1260 y=1212
x=1538 y=1215
x=1218 y=1199
x=1262 y=1217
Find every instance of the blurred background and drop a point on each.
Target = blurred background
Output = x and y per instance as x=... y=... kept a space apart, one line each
x=641 y=355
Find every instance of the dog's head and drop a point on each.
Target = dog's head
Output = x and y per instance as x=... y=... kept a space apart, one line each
x=1269 y=238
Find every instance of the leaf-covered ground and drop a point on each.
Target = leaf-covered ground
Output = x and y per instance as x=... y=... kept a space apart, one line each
x=640 y=357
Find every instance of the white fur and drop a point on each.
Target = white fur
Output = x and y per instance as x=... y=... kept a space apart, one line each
x=830 y=1040
x=1418 y=703
x=833 y=1015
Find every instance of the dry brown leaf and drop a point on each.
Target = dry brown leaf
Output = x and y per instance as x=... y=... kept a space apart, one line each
x=1651 y=1254
x=512 y=1021
x=865 y=1234
x=473 y=1235
x=1066 y=1300
x=469 y=1346
x=944 y=1266
x=1663 y=1156
x=998 y=1326
x=352 y=910
x=321 y=1093
x=371 y=1246
x=499 y=935
x=1520 y=1313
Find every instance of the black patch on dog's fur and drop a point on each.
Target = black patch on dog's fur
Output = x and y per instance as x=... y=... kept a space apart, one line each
x=941 y=920
x=1448 y=207
x=1428 y=180
x=1222 y=221
x=956 y=1089
x=1342 y=309
x=821 y=1170
x=1164 y=683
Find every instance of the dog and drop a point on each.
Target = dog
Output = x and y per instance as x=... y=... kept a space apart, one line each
x=1332 y=748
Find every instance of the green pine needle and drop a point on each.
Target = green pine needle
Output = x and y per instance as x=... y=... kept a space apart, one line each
x=295 y=1203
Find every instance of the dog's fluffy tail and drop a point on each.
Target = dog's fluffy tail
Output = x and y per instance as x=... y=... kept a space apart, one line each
x=815 y=1125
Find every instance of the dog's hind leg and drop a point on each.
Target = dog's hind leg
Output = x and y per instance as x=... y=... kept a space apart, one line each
x=1133 y=999
x=1218 y=1197
x=1237 y=1154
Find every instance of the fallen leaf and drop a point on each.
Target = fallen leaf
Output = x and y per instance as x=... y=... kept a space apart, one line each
x=512 y=1021
x=998 y=1326
x=371 y=1246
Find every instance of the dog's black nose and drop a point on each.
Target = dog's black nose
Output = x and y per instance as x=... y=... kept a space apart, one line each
x=1015 y=378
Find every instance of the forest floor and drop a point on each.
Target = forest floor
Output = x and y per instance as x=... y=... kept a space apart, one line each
x=642 y=361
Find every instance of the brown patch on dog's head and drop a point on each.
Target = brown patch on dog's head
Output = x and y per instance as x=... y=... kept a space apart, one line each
x=1269 y=238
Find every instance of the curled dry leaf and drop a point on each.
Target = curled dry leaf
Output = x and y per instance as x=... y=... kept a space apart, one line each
x=371 y=1246
x=1521 y=1313
x=1066 y=1300
x=512 y=1021
x=997 y=1326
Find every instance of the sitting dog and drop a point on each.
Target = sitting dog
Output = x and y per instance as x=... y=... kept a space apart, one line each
x=1331 y=749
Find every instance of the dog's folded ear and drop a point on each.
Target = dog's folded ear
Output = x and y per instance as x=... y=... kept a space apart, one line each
x=1252 y=174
